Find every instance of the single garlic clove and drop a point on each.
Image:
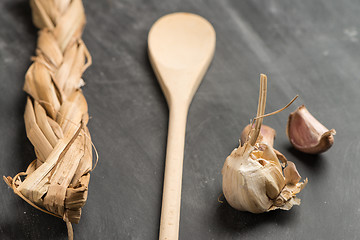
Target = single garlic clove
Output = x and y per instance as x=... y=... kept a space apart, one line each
x=268 y=134
x=307 y=134
x=275 y=181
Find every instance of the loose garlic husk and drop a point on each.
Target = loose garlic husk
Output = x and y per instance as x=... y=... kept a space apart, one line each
x=307 y=134
x=253 y=179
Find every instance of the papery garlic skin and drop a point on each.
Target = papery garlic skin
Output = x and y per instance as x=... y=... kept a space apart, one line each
x=245 y=181
x=253 y=181
x=267 y=135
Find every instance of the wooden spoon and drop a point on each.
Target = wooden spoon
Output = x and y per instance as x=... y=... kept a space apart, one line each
x=181 y=47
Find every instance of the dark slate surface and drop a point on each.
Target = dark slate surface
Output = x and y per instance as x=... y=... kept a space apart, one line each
x=310 y=48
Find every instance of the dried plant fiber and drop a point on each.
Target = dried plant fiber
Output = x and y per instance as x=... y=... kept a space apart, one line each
x=56 y=114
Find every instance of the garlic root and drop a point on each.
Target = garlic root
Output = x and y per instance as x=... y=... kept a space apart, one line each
x=253 y=179
x=307 y=134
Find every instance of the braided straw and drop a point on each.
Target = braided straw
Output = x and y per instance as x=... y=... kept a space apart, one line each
x=56 y=113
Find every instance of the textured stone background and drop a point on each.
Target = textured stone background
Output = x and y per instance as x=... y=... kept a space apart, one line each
x=308 y=47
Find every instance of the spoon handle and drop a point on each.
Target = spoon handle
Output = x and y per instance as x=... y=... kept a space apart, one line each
x=170 y=211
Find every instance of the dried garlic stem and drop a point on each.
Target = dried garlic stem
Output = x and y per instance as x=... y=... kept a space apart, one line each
x=261 y=109
x=56 y=114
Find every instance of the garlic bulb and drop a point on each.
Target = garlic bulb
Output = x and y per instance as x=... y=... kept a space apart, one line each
x=253 y=179
x=307 y=134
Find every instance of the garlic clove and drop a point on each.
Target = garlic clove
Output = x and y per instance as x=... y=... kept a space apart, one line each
x=307 y=134
x=268 y=134
x=275 y=181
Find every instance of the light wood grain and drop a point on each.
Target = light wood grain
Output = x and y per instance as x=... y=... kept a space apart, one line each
x=181 y=47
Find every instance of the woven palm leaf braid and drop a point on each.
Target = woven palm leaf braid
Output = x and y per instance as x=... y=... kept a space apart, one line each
x=56 y=113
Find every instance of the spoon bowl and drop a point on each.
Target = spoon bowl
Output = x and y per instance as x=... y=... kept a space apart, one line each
x=181 y=47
